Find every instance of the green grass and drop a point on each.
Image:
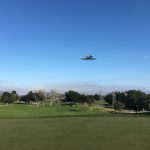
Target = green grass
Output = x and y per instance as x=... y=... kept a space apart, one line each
x=75 y=133
x=27 y=127
x=30 y=111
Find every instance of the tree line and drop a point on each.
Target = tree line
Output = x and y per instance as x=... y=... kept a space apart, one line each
x=131 y=100
x=70 y=97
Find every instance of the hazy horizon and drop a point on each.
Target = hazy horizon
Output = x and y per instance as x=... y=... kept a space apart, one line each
x=86 y=88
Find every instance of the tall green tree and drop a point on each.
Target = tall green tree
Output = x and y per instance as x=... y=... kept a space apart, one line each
x=33 y=97
x=136 y=100
x=6 y=97
x=30 y=97
x=74 y=97
x=9 y=97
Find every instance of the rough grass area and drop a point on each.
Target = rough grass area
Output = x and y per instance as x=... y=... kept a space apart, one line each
x=76 y=133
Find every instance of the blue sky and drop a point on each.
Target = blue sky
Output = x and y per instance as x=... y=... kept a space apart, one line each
x=42 y=41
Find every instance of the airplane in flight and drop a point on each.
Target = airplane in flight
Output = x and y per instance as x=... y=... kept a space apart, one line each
x=90 y=57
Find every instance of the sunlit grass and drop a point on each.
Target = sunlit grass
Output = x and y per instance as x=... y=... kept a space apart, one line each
x=27 y=111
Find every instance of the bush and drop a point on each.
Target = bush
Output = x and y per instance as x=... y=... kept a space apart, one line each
x=118 y=105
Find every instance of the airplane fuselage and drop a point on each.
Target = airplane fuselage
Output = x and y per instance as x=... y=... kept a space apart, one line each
x=88 y=58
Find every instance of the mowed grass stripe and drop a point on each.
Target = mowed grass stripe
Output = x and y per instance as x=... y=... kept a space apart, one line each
x=76 y=133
